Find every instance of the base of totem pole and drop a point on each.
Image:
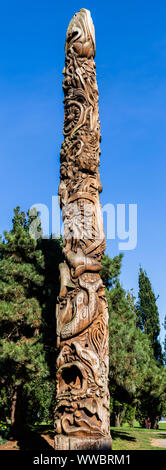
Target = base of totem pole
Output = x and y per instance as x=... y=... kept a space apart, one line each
x=75 y=443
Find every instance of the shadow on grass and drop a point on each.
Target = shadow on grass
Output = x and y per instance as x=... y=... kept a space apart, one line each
x=159 y=435
x=123 y=435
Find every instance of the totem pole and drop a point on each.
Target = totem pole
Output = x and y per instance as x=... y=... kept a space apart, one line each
x=82 y=415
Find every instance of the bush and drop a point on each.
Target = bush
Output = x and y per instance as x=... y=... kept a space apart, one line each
x=4 y=432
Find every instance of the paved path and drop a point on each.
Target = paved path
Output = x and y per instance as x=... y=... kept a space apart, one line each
x=159 y=442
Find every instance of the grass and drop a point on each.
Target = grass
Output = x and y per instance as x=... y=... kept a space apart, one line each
x=124 y=438
x=137 y=438
x=162 y=426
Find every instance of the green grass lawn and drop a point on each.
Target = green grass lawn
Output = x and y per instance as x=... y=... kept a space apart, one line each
x=126 y=438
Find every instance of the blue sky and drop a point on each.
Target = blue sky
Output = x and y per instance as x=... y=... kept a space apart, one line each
x=131 y=70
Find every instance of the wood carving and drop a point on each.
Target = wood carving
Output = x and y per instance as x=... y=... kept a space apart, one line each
x=82 y=409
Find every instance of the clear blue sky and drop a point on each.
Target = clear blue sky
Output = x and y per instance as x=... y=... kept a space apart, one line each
x=131 y=71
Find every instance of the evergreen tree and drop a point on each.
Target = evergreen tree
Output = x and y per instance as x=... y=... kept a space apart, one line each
x=152 y=399
x=148 y=315
x=121 y=339
x=111 y=269
x=22 y=356
x=165 y=342
x=133 y=369
x=130 y=354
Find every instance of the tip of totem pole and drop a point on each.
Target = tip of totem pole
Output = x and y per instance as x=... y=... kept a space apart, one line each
x=75 y=443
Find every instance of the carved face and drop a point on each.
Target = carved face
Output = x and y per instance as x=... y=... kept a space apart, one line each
x=71 y=378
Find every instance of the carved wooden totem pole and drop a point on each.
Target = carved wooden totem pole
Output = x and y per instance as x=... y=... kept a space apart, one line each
x=82 y=416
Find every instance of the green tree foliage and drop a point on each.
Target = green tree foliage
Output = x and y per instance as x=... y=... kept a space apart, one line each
x=130 y=352
x=165 y=342
x=29 y=286
x=123 y=375
x=110 y=269
x=133 y=368
x=152 y=399
x=147 y=314
x=22 y=356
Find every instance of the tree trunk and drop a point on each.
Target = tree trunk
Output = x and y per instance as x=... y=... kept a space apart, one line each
x=152 y=423
x=13 y=407
x=121 y=416
x=18 y=412
x=133 y=418
x=117 y=420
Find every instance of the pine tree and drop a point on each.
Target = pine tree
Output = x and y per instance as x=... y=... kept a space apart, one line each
x=22 y=356
x=148 y=315
x=111 y=269
x=152 y=398
x=153 y=395
x=165 y=342
x=133 y=369
x=121 y=339
x=130 y=353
